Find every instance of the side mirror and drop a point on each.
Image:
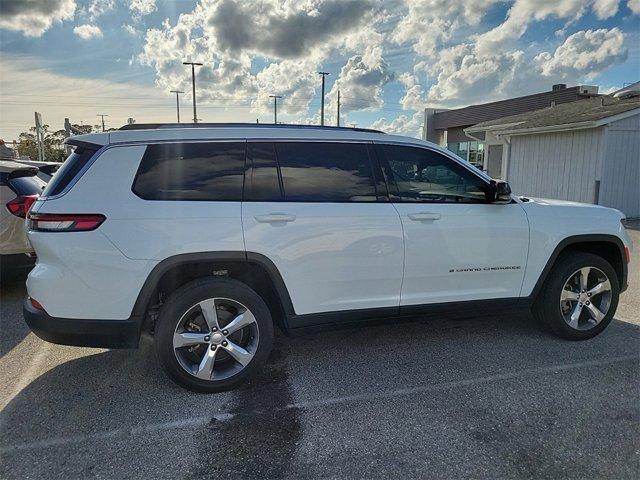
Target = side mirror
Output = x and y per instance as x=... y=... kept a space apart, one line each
x=500 y=192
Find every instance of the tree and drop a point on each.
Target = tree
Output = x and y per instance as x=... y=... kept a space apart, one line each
x=54 y=150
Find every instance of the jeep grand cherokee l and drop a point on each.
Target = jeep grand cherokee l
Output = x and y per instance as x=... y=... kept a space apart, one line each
x=206 y=235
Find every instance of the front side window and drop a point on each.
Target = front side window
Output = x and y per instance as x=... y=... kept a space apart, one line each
x=422 y=175
x=191 y=171
x=325 y=172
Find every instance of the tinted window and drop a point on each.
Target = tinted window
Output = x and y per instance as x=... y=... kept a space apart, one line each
x=70 y=168
x=261 y=179
x=421 y=175
x=28 y=185
x=191 y=171
x=325 y=172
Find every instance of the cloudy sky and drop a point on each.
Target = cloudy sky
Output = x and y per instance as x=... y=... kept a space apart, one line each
x=80 y=58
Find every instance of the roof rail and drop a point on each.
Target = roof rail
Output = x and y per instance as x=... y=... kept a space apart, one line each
x=157 y=126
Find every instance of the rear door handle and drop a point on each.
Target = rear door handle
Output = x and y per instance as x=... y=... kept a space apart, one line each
x=274 y=218
x=424 y=216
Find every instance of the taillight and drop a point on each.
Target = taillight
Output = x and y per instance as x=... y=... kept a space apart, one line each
x=627 y=254
x=36 y=304
x=20 y=205
x=64 y=222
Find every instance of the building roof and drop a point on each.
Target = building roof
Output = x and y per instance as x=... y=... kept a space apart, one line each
x=587 y=113
x=473 y=114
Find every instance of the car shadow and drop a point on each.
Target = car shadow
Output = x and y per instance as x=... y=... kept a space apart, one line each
x=13 y=329
x=119 y=390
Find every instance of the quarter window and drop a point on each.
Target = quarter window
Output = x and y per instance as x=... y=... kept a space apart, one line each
x=191 y=171
x=326 y=172
x=422 y=175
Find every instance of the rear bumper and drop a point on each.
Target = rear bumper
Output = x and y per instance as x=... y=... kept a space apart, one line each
x=83 y=333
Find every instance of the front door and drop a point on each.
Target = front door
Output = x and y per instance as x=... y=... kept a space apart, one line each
x=313 y=210
x=457 y=246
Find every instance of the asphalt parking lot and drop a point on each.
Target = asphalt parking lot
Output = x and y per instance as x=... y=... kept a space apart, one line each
x=475 y=398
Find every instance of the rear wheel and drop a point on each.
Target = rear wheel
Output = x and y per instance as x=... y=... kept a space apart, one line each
x=579 y=297
x=212 y=334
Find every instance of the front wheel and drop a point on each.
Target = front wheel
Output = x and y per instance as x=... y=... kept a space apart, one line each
x=212 y=334
x=579 y=297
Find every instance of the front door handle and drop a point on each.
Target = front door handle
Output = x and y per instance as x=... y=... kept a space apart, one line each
x=275 y=218
x=424 y=216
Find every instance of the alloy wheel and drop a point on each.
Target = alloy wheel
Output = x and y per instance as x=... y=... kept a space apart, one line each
x=216 y=339
x=586 y=298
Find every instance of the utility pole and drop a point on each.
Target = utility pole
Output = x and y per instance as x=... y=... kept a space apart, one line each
x=177 y=92
x=275 y=107
x=193 y=84
x=338 y=113
x=324 y=74
x=102 y=115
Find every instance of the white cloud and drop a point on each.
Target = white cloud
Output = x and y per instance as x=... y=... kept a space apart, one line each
x=401 y=125
x=87 y=32
x=413 y=98
x=605 y=8
x=143 y=7
x=99 y=7
x=634 y=6
x=585 y=53
x=130 y=29
x=229 y=35
x=464 y=73
x=35 y=17
x=429 y=23
x=361 y=81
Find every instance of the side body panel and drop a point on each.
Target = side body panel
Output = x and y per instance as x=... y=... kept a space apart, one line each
x=470 y=252
x=333 y=256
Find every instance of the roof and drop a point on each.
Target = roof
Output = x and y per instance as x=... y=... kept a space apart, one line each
x=467 y=116
x=153 y=126
x=194 y=132
x=587 y=113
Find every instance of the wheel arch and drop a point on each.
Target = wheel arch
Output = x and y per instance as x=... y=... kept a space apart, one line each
x=253 y=269
x=609 y=247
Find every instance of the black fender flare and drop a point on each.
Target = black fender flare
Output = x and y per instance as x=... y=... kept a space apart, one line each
x=150 y=284
x=575 y=239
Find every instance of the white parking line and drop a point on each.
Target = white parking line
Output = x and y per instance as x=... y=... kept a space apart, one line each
x=202 y=421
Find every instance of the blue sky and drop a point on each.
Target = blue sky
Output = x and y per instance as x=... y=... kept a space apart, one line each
x=78 y=58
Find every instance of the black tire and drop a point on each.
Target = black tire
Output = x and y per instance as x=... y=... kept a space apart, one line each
x=182 y=301
x=547 y=307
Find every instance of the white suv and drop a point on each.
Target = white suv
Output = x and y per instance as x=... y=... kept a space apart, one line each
x=206 y=235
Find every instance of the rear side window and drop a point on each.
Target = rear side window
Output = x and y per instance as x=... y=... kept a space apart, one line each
x=28 y=185
x=70 y=168
x=326 y=172
x=191 y=171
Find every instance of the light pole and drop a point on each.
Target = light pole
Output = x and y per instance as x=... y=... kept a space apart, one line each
x=177 y=92
x=102 y=115
x=275 y=107
x=324 y=74
x=193 y=84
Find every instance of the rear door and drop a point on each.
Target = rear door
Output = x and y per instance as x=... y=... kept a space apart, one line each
x=318 y=210
x=458 y=246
